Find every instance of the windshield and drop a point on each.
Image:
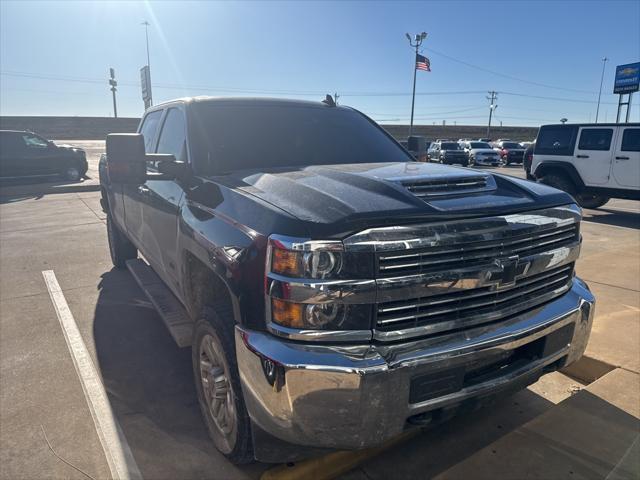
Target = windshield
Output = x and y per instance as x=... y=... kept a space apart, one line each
x=479 y=145
x=450 y=146
x=236 y=137
x=511 y=145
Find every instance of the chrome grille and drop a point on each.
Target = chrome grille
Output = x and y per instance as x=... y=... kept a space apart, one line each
x=464 y=308
x=415 y=261
x=447 y=186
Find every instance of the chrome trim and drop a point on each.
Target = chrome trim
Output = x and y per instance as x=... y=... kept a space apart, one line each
x=305 y=244
x=320 y=335
x=301 y=290
x=436 y=283
x=355 y=396
x=439 y=234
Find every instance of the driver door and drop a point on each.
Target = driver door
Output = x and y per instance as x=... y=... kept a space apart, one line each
x=39 y=156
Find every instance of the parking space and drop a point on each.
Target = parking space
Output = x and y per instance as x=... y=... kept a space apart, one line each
x=149 y=380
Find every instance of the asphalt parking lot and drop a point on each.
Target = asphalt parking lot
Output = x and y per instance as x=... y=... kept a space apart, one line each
x=47 y=425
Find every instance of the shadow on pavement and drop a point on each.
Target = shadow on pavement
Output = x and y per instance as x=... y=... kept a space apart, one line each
x=606 y=216
x=149 y=381
x=26 y=189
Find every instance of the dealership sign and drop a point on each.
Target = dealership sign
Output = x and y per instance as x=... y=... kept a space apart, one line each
x=627 y=78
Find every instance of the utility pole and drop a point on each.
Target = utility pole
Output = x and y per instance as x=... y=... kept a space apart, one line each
x=114 y=84
x=604 y=62
x=416 y=42
x=492 y=106
x=146 y=35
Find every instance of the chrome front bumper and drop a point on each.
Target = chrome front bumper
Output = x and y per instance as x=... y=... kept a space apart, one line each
x=361 y=395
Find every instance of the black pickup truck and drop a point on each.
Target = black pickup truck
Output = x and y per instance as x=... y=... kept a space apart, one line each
x=333 y=291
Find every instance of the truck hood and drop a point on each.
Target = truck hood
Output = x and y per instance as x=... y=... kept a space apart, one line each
x=339 y=199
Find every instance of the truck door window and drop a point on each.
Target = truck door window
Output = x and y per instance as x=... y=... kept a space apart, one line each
x=595 y=139
x=149 y=128
x=631 y=140
x=173 y=135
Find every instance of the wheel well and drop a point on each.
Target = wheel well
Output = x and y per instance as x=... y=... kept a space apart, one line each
x=205 y=288
x=560 y=168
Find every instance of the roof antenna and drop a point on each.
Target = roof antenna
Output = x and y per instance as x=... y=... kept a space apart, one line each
x=328 y=100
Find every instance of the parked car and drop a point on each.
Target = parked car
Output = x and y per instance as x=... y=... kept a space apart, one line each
x=528 y=159
x=592 y=162
x=447 y=152
x=525 y=145
x=27 y=154
x=510 y=152
x=333 y=291
x=481 y=153
x=487 y=140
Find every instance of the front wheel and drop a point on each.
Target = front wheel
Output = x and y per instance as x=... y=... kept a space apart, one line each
x=218 y=385
x=591 y=201
x=72 y=173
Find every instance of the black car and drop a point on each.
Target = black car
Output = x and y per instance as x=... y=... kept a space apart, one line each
x=26 y=154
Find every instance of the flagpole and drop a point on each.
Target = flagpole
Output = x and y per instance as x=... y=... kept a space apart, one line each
x=419 y=37
x=413 y=95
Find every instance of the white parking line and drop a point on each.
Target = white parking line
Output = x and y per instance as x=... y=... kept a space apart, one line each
x=116 y=448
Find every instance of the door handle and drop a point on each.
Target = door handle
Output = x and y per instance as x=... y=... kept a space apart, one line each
x=582 y=156
x=143 y=189
x=622 y=158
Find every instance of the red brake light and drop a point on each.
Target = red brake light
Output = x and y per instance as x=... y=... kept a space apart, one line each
x=505 y=151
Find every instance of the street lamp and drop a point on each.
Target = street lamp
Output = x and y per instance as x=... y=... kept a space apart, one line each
x=415 y=43
x=604 y=62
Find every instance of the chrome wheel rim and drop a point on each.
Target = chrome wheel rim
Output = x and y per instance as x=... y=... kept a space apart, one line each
x=218 y=394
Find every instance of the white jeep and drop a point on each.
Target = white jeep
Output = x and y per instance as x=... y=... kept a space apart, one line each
x=592 y=162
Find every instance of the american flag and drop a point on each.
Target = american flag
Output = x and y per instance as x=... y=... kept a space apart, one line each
x=423 y=63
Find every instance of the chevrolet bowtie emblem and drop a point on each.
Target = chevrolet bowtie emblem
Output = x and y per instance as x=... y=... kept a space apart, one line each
x=506 y=271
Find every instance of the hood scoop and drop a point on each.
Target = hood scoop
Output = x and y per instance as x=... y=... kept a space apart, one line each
x=448 y=186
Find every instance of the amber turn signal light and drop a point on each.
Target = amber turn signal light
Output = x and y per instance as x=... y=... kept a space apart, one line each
x=287 y=314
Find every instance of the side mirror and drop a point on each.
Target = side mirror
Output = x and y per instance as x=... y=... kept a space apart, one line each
x=126 y=159
x=170 y=167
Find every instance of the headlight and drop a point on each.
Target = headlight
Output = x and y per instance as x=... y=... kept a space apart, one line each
x=316 y=259
x=322 y=316
x=317 y=285
x=315 y=264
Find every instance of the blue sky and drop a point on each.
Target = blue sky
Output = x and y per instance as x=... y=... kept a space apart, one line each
x=55 y=56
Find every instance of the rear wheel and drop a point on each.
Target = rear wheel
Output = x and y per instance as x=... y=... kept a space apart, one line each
x=559 y=181
x=591 y=201
x=218 y=385
x=120 y=247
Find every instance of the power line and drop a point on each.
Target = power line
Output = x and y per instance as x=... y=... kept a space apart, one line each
x=504 y=75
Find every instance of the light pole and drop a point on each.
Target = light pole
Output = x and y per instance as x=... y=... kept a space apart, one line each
x=415 y=42
x=604 y=62
x=146 y=35
x=492 y=107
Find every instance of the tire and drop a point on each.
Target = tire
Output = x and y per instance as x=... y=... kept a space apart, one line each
x=120 y=248
x=559 y=181
x=72 y=174
x=591 y=201
x=231 y=431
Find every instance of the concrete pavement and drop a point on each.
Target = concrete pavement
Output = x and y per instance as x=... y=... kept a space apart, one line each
x=149 y=380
